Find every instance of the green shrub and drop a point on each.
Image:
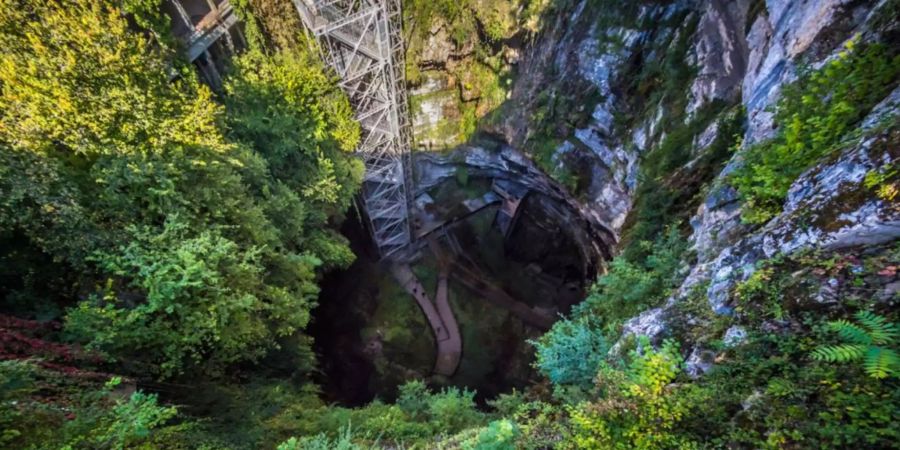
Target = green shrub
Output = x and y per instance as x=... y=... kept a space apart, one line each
x=885 y=183
x=449 y=410
x=498 y=435
x=541 y=425
x=640 y=410
x=344 y=441
x=44 y=409
x=16 y=383
x=632 y=286
x=133 y=420
x=814 y=116
x=453 y=410
x=419 y=416
x=572 y=351
x=507 y=405
x=182 y=277
x=786 y=399
x=759 y=296
x=286 y=107
x=413 y=399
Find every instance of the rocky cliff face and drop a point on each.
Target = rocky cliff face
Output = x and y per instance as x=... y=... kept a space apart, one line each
x=670 y=78
x=622 y=119
x=460 y=60
x=582 y=56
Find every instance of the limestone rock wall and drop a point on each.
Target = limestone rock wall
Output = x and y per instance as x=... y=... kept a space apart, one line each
x=740 y=54
x=828 y=207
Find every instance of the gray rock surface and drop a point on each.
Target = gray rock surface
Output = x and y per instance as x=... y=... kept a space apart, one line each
x=736 y=335
x=827 y=207
x=699 y=362
x=738 y=59
x=776 y=40
x=719 y=52
x=818 y=213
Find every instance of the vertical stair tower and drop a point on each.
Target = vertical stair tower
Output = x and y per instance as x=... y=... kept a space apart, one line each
x=361 y=41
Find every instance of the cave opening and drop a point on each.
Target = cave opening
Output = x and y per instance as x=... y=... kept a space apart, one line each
x=519 y=261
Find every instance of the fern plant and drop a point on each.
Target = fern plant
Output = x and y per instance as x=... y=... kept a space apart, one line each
x=871 y=339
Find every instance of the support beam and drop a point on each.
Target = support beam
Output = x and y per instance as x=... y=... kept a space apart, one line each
x=361 y=41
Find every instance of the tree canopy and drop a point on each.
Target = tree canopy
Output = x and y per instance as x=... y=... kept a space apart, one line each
x=182 y=233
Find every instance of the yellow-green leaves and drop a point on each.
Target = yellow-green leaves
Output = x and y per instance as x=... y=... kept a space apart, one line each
x=211 y=238
x=815 y=116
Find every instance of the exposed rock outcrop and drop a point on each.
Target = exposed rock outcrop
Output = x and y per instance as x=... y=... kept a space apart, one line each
x=719 y=52
x=740 y=55
x=828 y=207
x=779 y=38
x=579 y=53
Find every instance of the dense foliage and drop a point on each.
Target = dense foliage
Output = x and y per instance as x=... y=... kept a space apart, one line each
x=571 y=352
x=189 y=244
x=172 y=235
x=633 y=285
x=814 y=116
x=95 y=417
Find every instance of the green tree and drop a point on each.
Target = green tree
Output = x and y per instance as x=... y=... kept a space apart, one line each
x=190 y=235
x=572 y=351
x=286 y=108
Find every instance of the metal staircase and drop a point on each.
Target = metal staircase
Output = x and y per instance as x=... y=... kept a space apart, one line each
x=361 y=41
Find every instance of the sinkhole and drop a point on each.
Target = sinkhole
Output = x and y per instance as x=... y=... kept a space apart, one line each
x=519 y=253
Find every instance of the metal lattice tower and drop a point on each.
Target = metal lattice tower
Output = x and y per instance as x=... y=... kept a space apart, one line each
x=361 y=41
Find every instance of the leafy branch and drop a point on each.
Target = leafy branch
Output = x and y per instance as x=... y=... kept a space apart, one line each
x=872 y=339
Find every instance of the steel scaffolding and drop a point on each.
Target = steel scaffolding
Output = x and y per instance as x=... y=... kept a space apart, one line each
x=361 y=41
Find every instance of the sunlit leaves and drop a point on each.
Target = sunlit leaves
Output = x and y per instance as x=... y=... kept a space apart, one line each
x=814 y=115
x=191 y=245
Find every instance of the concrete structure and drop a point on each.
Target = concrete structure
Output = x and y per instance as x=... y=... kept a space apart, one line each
x=361 y=41
x=210 y=31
